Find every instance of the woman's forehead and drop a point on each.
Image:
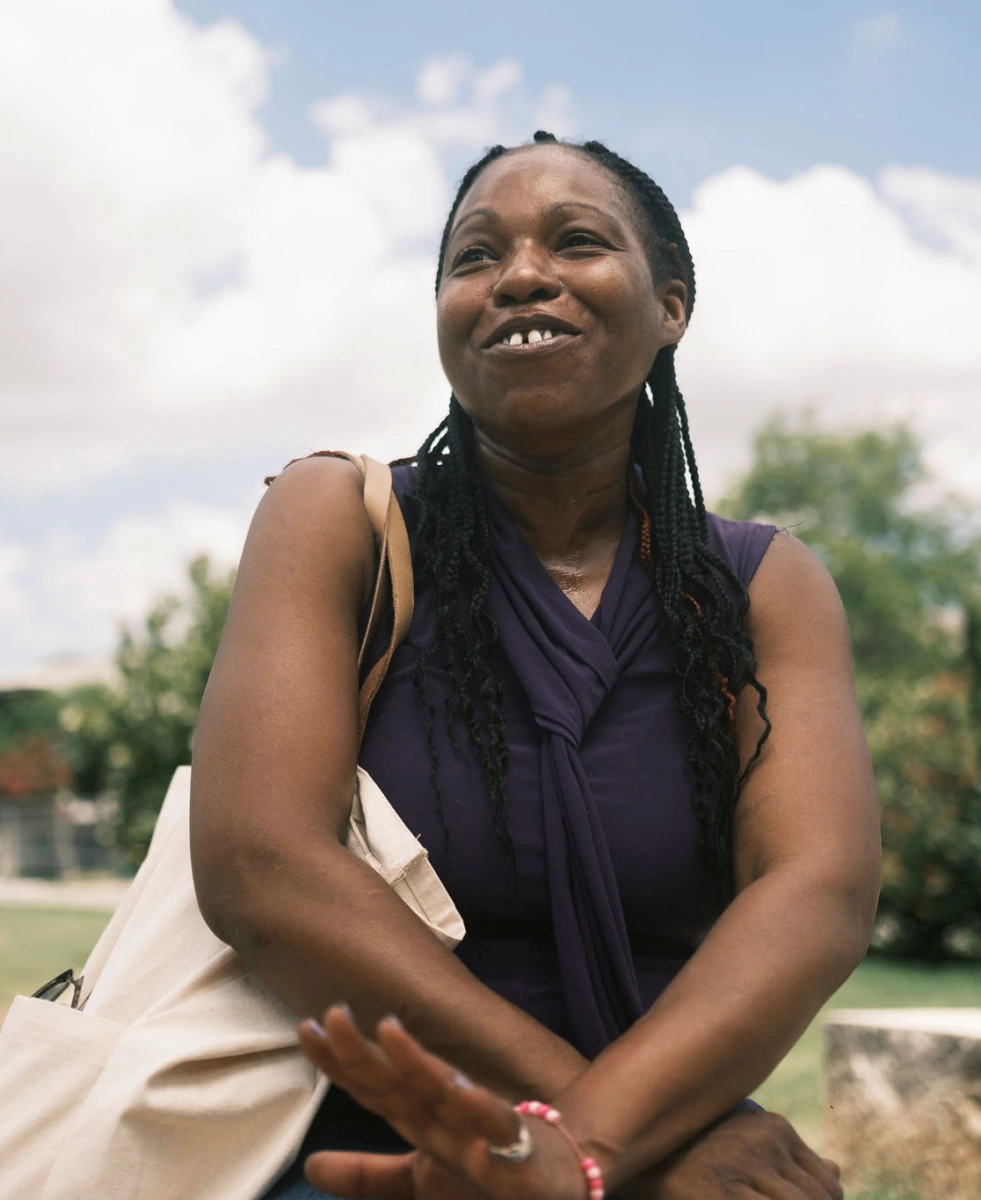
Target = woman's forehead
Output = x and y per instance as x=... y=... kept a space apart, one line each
x=539 y=177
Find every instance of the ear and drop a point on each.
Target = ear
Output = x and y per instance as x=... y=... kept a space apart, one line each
x=672 y=299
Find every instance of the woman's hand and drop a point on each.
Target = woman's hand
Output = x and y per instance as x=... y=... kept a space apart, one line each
x=449 y=1119
x=746 y=1156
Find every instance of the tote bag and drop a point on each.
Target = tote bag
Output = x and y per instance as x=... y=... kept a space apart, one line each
x=181 y=1077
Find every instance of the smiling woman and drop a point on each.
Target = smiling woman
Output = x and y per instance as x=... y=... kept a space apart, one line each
x=609 y=726
x=610 y=272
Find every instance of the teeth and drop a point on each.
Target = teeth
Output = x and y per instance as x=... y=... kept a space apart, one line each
x=518 y=338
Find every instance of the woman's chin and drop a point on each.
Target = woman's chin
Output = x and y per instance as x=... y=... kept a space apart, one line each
x=558 y=420
x=533 y=415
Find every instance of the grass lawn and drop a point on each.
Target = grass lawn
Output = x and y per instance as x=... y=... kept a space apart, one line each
x=36 y=944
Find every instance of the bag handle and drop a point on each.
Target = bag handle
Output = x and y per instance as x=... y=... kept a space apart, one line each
x=394 y=567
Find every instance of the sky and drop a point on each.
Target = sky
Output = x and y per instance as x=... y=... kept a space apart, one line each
x=218 y=223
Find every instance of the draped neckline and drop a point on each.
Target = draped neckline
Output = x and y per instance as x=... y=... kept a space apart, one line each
x=508 y=530
x=567 y=664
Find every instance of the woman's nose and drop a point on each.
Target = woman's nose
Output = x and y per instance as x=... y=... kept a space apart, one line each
x=527 y=275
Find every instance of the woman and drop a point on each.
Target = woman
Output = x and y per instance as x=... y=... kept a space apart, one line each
x=588 y=688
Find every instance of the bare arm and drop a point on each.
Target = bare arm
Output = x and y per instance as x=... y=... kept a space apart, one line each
x=274 y=768
x=806 y=849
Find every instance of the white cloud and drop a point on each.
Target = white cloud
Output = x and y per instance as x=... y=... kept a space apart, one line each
x=13 y=597
x=871 y=37
x=497 y=80
x=170 y=284
x=441 y=78
x=819 y=291
x=138 y=559
x=74 y=596
x=556 y=111
x=945 y=209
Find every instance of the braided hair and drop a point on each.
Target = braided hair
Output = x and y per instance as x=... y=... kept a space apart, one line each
x=713 y=654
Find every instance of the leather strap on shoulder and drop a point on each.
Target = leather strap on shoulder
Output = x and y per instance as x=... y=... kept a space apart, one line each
x=394 y=567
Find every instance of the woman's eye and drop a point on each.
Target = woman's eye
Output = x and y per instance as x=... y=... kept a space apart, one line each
x=472 y=254
x=580 y=238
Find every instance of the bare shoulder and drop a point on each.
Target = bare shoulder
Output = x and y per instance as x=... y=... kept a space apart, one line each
x=794 y=604
x=311 y=527
x=811 y=797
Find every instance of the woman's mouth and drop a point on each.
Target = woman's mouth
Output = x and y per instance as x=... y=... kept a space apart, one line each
x=525 y=341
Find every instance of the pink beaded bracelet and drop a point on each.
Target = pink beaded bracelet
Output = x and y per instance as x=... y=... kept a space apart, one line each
x=590 y=1167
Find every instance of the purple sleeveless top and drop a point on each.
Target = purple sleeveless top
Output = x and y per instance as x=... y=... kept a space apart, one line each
x=612 y=896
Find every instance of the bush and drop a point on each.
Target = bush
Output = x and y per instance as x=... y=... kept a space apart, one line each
x=908 y=576
x=126 y=742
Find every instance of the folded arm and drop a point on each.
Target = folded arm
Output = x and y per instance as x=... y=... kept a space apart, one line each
x=274 y=766
x=806 y=856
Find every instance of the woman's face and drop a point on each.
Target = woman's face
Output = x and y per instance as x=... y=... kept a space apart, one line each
x=545 y=241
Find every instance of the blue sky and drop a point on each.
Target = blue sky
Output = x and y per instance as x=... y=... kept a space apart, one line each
x=686 y=88
x=218 y=218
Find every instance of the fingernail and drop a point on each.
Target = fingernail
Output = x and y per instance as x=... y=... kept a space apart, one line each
x=315 y=1027
x=463 y=1082
x=345 y=1009
x=392 y=1019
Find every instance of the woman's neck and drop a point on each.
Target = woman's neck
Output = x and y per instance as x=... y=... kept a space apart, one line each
x=568 y=506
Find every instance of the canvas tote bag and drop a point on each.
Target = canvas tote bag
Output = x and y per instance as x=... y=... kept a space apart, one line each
x=181 y=1077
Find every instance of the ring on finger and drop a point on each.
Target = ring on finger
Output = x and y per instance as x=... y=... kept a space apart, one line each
x=516 y=1152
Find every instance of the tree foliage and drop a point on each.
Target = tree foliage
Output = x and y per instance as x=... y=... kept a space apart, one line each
x=31 y=757
x=126 y=741
x=907 y=566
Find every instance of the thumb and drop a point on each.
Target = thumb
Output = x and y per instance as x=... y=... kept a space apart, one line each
x=361 y=1176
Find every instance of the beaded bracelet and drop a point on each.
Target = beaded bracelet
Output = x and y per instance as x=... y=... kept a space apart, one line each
x=590 y=1167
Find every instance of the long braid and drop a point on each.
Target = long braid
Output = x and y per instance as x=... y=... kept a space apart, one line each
x=713 y=654
x=445 y=509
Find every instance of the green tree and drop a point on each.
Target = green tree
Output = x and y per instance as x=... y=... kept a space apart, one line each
x=126 y=741
x=907 y=568
x=32 y=761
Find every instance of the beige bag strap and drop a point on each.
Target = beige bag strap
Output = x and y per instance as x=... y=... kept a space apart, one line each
x=394 y=565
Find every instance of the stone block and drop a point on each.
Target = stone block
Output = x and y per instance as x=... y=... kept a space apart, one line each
x=903 y=1090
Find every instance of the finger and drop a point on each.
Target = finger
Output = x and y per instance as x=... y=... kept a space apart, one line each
x=775 y=1187
x=401 y=1111
x=461 y=1105
x=428 y=1073
x=360 y=1058
x=824 y=1170
x=813 y=1187
x=315 y=1046
x=462 y=1110
x=361 y=1068
x=480 y=1113
x=361 y=1176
